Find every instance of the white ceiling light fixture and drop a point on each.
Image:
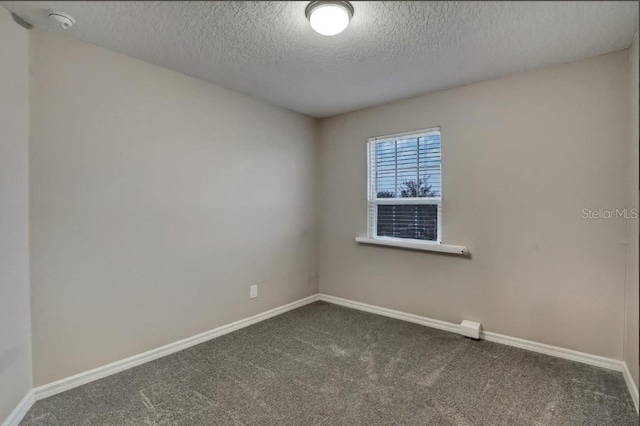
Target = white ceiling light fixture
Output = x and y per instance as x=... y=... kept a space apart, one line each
x=329 y=17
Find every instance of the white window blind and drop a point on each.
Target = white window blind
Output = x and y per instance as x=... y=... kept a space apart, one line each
x=405 y=186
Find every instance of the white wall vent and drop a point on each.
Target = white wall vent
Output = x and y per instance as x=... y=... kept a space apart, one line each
x=470 y=329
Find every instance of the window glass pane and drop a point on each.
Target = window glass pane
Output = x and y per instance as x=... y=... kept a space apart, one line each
x=386 y=169
x=418 y=222
x=408 y=167
x=430 y=166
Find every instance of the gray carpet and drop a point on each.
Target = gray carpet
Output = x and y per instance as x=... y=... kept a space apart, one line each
x=327 y=365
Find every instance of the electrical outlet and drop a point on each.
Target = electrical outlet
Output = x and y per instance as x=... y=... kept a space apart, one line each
x=253 y=291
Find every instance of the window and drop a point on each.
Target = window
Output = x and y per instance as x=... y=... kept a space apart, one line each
x=405 y=187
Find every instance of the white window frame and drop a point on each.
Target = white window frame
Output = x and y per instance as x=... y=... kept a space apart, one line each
x=372 y=191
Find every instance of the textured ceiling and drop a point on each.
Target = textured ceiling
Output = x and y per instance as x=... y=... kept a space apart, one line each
x=391 y=50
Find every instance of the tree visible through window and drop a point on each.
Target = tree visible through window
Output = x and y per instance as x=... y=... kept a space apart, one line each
x=404 y=174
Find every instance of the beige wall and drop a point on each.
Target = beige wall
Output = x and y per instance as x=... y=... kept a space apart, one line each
x=522 y=156
x=157 y=200
x=145 y=185
x=15 y=334
x=631 y=323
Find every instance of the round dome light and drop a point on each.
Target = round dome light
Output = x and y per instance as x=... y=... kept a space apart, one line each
x=329 y=17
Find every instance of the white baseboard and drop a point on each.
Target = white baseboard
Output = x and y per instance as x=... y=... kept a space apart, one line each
x=124 y=364
x=556 y=351
x=115 y=367
x=20 y=411
x=416 y=319
x=633 y=389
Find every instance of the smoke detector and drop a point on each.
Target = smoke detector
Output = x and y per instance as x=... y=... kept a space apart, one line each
x=65 y=20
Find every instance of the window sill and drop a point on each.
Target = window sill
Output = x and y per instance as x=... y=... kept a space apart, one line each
x=442 y=248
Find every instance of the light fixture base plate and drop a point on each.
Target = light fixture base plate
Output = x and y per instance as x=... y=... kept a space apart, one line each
x=312 y=5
